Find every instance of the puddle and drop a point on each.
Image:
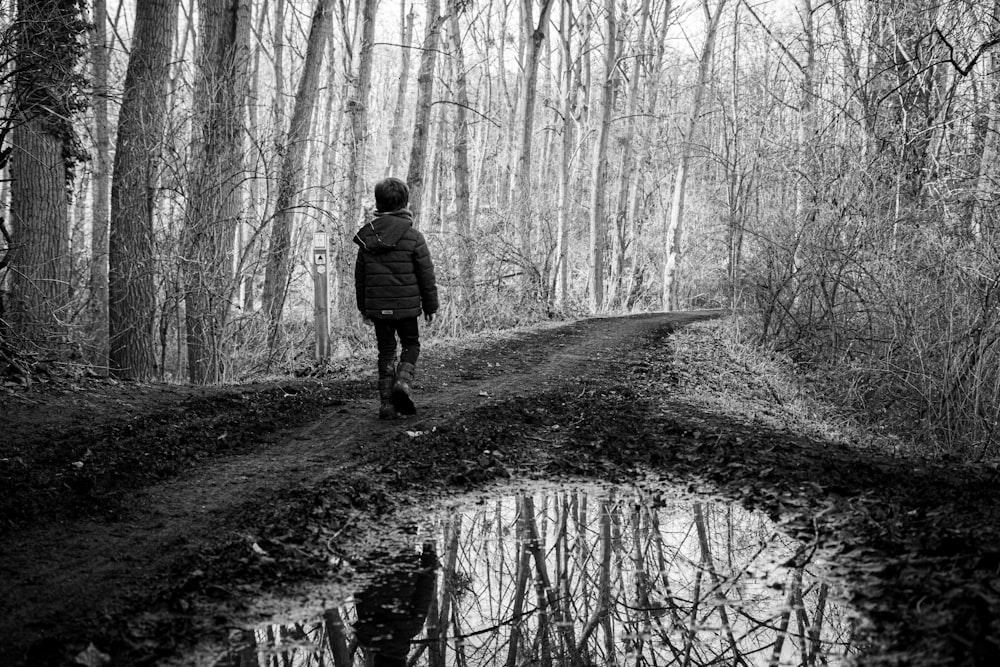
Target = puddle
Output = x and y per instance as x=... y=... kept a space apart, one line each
x=578 y=576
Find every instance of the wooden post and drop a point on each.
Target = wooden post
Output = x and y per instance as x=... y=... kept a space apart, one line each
x=321 y=302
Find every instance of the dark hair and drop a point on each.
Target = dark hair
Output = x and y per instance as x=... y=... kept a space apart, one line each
x=391 y=194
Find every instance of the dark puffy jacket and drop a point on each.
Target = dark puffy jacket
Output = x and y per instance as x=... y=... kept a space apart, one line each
x=394 y=275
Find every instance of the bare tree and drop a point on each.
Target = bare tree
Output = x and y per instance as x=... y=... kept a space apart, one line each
x=131 y=258
x=598 y=224
x=215 y=202
x=675 y=227
x=392 y=156
x=425 y=94
x=356 y=110
x=627 y=176
x=99 y=59
x=292 y=175
x=533 y=35
x=463 y=213
x=570 y=84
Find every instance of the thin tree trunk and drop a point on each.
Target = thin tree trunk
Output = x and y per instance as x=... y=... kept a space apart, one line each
x=278 y=103
x=250 y=227
x=101 y=184
x=795 y=584
x=628 y=172
x=357 y=112
x=805 y=176
x=393 y=155
x=521 y=195
x=675 y=228
x=292 y=176
x=131 y=254
x=331 y=129
x=520 y=589
x=708 y=563
x=336 y=635
x=600 y=166
x=463 y=222
x=422 y=121
x=570 y=85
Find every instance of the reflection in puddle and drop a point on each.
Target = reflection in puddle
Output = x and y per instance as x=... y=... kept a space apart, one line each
x=579 y=577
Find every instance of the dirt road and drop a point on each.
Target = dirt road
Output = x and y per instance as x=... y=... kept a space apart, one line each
x=134 y=511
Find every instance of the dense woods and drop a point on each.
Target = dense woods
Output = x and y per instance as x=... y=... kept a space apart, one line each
x=828 y=170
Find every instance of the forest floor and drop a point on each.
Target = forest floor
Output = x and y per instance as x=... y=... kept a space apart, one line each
x=137 y=519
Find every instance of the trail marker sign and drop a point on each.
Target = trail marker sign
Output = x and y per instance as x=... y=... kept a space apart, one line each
x=321 y=301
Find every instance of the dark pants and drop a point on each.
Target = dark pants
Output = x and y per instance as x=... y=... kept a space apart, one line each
x=409 y=337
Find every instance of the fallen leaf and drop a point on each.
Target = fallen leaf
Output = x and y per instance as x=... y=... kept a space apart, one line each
x=92 y=657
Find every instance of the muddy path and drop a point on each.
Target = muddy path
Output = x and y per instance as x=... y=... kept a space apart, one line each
x=142 y=553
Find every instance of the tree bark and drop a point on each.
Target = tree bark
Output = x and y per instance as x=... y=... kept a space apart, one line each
x=988 y=177
x=99 y=59
x=628 y=177
x=131 y=256
x=357 y=113
x=216 y=187
x=393 y=159
x=463 y=222
x=43 y=149
x=570 y=84
x=422 y=119
x=675 y=228
x=292 y=175
x=521 y=196
x=600 y=167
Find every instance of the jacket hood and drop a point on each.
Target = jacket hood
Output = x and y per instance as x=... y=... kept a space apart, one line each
x=384 y=231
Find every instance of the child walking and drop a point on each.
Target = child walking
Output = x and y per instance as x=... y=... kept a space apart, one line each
x=394 y=281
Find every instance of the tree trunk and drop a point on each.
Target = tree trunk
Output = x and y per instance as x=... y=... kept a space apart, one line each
x=291 y=178
x=278 y=103
x=338 y=269
x=257 y=211
x=141 y=124
x=43 y=143
x=628 y=175
x=676 y=227
x=422 y=119
x=463 y=222
x=805 y=176
x=988 y=177
x=600 y=166
x=39 y=210
x=570 y=84
x=521 y=195
x=99 y=59
x=357 y=113
x=393 y=160
x=216 y=186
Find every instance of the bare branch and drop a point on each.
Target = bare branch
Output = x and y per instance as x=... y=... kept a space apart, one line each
x=965 y=70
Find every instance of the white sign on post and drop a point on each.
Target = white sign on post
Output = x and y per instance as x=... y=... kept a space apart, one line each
x=320 y=305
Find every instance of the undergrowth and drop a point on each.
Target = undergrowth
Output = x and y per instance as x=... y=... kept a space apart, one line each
x=751 y=380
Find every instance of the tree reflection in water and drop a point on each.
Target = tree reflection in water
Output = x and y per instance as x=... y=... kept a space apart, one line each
x=580 y=578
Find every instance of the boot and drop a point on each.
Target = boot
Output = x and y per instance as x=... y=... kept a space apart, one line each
x=403 y=388
x=386 y=380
